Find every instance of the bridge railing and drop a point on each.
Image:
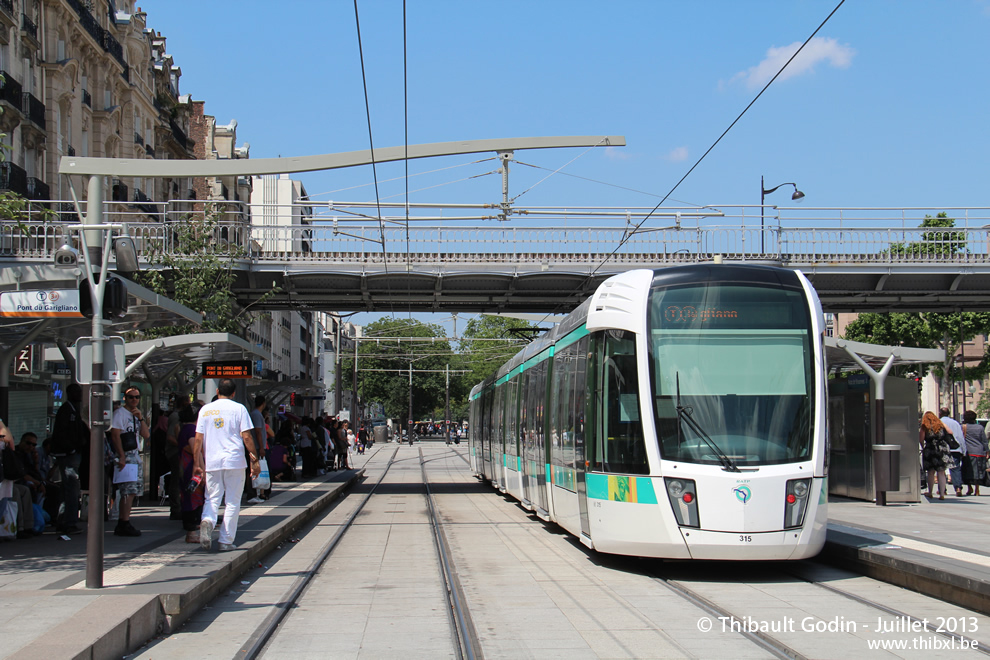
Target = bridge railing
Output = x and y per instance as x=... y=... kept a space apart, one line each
x=791 y=236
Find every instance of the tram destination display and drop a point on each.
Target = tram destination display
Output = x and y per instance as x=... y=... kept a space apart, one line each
x=228 y=369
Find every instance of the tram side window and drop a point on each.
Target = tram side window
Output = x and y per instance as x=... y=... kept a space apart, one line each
x=579 y=396
x=561 y=401
x=619 y=431
x=511 y=431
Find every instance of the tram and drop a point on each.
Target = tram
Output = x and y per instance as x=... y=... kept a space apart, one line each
x=676 y=413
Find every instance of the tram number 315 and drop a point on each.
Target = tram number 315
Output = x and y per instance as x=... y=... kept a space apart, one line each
x=745 y=538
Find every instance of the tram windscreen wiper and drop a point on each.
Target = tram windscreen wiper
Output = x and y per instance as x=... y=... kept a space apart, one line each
x=684 y=415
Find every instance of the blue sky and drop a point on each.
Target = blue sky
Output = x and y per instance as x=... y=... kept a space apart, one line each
x=887 y=107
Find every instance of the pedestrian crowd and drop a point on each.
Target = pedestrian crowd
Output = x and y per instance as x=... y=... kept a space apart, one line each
x=203 y=455
x=953 y=452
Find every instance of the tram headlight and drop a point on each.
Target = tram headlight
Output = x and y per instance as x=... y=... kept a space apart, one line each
x=683 y=498
x=796 y=502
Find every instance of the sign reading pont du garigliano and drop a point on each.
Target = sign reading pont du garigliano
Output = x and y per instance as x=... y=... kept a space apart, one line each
x=41 y=303
x=228 y=369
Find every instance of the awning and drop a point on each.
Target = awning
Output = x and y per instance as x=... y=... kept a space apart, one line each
x=838 y=359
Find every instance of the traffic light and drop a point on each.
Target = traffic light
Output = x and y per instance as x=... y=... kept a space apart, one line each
x=295 y=399
x=920 y=384
x=114 y=299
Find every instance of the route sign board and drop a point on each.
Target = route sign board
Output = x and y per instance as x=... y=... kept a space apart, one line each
x=228 y=369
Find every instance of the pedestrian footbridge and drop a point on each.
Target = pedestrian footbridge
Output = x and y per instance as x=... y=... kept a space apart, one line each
x=476 y=258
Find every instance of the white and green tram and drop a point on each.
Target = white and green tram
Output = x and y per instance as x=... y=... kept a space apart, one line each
x=676 y=413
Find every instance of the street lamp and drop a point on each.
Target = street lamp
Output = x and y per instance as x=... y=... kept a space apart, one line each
x=797 y=196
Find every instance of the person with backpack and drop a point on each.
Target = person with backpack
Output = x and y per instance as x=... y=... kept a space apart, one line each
x=70 y=446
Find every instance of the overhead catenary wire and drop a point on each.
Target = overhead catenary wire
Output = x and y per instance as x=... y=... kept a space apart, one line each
x=715 y=143
x=371 y=140
x=735 y=121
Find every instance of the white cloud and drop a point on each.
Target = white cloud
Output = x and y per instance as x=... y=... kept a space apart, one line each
x=677 y=154
x=819 y=49
x=614 y=153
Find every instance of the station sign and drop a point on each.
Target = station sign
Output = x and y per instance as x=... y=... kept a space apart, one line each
x=41 y=303
x=228 y=369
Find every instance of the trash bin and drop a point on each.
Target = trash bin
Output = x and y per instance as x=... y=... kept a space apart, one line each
x=379 y=434
x=886 y=468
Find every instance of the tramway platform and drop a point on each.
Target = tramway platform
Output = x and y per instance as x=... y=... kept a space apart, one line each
x=155 y=582
x=152 y=583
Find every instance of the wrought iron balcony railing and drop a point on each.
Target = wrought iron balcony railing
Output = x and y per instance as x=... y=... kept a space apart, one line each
x=34 y=109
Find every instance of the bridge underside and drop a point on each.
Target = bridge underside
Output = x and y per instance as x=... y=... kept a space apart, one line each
x=915 y=288
x=419 y=292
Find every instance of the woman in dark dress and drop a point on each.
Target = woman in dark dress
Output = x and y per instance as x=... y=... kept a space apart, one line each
x=192 y=502
x=975 y=465
x=934 y=451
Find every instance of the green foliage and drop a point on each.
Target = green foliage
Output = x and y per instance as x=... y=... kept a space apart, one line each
x=197 y=271
x=393 y=356
x=927 y=330
x=934 y=244
x=483 y=358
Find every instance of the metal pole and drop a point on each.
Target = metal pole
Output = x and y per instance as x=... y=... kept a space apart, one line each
x=409 y=431
x=962 y=367
x=354 y=405
x=338 y=395
x=763 y=196
x=99 y=404
x=447 y=407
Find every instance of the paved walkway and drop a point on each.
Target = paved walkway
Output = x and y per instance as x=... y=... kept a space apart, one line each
x=155 y=582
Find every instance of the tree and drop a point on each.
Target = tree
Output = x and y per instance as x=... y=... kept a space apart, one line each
x=383 y=367
x=927 y=330
x=483 y=358
x=934 y=244
x=197 y=270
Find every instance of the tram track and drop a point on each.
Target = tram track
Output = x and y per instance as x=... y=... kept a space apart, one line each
x=463 y=635
x=915 y=621
x=256 y=644
x=748 y=626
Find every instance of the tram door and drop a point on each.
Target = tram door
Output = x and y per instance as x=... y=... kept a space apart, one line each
x=583 y=403
x=534 y=396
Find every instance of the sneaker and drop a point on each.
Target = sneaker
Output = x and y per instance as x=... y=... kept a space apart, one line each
x=227 y=547
x=125 y=528
x=206 y=534
x=254 y=500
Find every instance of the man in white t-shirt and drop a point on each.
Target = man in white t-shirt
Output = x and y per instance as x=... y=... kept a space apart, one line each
x=223 y=433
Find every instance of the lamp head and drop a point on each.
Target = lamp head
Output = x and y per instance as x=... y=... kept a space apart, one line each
x=798 y=195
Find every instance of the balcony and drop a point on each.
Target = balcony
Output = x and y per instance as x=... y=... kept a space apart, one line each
x=138 y=139
x=87 y=99
x=29 y=31
x=112 y=46
x=10 y=91
x=119 y=191
x=150 y=150
x=13 y=178
x=38 y=189
x=143 y=207
x=126 y=73
x=7 y=12
x=178 y=134
x=34 y=110
x=69 y=151
x=91 y=26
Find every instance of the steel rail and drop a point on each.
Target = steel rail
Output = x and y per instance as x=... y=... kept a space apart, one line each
x=980 y=646
x=469 y=645
x=259 y=640
x=761 y=639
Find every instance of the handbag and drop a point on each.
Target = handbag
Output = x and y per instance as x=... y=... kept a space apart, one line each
x=264 y=479
x=8 y=518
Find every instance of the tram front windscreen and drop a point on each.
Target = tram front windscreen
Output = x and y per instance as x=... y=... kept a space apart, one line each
x=732 y=371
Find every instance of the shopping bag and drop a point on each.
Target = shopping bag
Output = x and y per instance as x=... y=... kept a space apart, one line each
x=264 y=480
x=8 y=518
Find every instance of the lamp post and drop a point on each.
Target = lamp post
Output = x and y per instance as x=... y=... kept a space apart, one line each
x=798 y=195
